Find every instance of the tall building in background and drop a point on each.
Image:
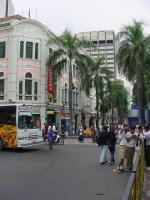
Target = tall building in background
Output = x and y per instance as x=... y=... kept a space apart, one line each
x=3 y=6
x=104 y=46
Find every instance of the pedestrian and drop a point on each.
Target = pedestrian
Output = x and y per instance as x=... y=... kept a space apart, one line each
x=121 y=141
x=45 y=131
x=111 y=144
x=51 y=137
x=147 y=145
x=102 y=141
x=139 y=141
x=81 y=138
x=93 y=134
x=130 y=145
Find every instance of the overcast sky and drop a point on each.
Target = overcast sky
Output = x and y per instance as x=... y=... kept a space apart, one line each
x=85 y=15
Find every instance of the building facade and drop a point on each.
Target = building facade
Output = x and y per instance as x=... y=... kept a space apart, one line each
x=104 y=45
x=24 y=51
x=3 y=5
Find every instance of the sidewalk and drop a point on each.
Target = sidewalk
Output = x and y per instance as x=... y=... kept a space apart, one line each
x=146 y=195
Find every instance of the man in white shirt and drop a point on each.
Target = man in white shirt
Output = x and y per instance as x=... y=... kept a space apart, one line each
x=131 y=137
x=121 y=140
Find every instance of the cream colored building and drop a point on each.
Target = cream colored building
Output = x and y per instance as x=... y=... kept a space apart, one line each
x=24 y=51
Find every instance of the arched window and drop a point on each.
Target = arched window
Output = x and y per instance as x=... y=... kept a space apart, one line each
x=1 y=74
x=28 y=75
x=28 y=86
x=2 y=86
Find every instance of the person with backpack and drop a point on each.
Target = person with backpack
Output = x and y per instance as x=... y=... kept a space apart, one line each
x=102 y=141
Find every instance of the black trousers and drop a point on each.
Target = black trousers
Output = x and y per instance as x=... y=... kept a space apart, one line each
x=147 y=155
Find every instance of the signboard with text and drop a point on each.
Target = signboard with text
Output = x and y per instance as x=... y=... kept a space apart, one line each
x=50 y=87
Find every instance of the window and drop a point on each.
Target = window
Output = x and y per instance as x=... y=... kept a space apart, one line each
x=35 y=90
x=29 y=49
x=1 y=74
x=2 y=85
x=20 y=89
x=74 y=70
x=36 y=50
x=101 y=41
x=110 y=41
x=63 y=96
x=2 y=49
x=66 y=96
x=94 y=41
x=21 y=49
x=28 y=86
x=76 y=99
x=50 y=50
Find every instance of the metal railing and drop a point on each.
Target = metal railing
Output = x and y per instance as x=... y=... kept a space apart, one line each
x=134 y=187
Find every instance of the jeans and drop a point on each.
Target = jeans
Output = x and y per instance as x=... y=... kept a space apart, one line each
x=103 y=150
x=112 y=154
x=50 y=143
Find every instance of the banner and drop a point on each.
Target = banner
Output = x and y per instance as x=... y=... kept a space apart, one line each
x=50 y=83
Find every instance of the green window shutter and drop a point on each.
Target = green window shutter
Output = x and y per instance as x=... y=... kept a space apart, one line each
x=20 y=87
x=2 y=84
x=35 y=88
x=29 y=49
x=2 y=49
x=21 y=49
x=36 y=50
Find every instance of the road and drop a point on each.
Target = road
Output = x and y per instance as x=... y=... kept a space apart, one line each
x=69 y=172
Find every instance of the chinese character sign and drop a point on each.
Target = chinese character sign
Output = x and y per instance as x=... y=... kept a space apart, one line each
x=50 y=87
x=50 y=84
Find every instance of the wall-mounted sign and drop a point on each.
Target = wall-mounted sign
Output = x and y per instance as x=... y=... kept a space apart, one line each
x=50 y=87
x=50 y=83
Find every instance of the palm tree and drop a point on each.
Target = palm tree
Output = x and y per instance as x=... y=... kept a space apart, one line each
x=69 y=48
x=98 y=77
x=133 y=57
x=117 y=98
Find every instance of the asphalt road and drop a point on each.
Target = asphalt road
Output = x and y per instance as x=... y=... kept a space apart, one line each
x=69 y=172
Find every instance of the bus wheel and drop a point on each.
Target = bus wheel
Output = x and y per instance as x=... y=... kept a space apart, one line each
x=1 y=145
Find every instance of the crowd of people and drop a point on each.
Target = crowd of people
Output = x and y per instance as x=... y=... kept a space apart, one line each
x=129 y=141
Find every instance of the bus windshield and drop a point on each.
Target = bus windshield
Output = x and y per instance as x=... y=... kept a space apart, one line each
x=28 y=120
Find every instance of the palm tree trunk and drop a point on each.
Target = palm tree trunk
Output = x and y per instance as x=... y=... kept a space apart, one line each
x=70 y=96
x=141 y=95
x=97 y=108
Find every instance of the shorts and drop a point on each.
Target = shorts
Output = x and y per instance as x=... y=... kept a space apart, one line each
x=122 y=152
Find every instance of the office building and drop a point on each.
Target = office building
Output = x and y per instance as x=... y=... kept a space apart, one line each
x=105 y=45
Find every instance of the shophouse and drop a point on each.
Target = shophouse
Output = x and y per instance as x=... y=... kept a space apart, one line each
x=24 y=77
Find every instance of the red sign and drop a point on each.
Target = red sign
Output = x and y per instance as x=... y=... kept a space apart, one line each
x=49 y=82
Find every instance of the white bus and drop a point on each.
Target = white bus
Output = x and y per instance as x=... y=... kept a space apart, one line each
x=20 y=125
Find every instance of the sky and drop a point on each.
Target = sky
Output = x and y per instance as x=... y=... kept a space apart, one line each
x=85 y=15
